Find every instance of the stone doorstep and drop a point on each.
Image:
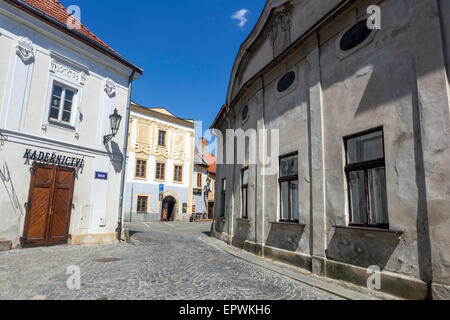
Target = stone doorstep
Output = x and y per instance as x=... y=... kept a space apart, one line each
x=5 y=245
x=330 y=285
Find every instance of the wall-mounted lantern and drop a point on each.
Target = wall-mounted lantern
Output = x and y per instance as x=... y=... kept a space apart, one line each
x=114 y=120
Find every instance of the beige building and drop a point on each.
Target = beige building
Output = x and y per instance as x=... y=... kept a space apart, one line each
x=363 y=121
x=160 y=166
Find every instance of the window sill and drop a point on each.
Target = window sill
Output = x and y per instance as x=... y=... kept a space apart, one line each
x=223 y=219
x=60 y=125
x=287 y=223
x=243 y=220
x=370 y=229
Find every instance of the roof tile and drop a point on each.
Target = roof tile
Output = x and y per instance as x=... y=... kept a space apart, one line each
x=57 y=11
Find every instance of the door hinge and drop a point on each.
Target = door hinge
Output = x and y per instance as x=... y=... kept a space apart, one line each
x=27 y=205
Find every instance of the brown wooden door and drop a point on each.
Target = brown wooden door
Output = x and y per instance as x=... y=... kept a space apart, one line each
x=210 y=210
x=49 y=206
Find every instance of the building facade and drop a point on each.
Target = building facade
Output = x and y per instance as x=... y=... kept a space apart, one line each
x=362 y=116
x=204 y=181
x=59 y=86
x=160 y=166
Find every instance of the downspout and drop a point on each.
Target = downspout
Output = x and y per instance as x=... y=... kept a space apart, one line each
x=124 y=157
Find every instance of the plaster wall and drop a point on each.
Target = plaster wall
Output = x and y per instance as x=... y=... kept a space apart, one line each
x=396 y=80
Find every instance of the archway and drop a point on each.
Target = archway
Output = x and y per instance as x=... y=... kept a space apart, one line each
x=169 y=209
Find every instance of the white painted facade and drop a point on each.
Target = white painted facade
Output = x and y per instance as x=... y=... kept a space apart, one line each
x=34 y=56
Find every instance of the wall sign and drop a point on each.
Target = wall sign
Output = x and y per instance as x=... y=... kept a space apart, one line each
x=101 y=175
x=53 y=159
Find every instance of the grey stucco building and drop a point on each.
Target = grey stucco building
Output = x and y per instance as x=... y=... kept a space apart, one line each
x=363 y=118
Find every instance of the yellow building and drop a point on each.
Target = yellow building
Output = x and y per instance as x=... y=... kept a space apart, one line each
x=160 y=166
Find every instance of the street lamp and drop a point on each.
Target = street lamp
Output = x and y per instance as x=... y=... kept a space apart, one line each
x=114 y=120
x=207 y=191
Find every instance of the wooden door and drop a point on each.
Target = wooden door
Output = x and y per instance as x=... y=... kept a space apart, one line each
x=49 y=206
x=210 y=210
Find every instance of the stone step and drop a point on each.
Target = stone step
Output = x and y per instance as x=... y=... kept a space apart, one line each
x=5 y=245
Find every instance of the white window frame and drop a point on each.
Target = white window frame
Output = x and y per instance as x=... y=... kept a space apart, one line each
x=74 y=117
x=59 y=121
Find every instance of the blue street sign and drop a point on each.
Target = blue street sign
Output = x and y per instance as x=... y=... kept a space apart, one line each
x=101 y=175
x=161 y=188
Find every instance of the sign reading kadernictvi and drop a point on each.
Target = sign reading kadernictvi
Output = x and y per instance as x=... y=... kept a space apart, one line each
x=53 y=159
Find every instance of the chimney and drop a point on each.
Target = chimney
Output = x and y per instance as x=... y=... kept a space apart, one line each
x=203 y=146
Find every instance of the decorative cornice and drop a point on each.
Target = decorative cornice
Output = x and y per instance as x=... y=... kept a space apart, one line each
x=25 y=49
x=68 y=68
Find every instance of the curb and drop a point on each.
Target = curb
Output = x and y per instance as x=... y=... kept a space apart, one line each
x=334 y=289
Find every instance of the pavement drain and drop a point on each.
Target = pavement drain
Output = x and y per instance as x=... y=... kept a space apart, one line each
x=107 y=260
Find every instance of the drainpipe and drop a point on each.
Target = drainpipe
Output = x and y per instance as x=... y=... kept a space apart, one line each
x=124 y=157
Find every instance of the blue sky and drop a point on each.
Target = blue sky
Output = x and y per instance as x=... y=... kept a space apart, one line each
x=187 y=48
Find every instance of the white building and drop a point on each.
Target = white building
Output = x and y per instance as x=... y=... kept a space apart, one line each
x=58 y=87
x=160 y=166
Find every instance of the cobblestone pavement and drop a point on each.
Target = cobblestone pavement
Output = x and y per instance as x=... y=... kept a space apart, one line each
x=163 y=262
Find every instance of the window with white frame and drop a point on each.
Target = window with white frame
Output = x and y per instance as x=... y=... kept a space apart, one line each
x=62 y=104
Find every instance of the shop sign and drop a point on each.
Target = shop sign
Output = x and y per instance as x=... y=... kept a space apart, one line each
x=52 y=158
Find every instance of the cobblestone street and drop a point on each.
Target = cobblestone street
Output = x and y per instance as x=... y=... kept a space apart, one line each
x=164 y=261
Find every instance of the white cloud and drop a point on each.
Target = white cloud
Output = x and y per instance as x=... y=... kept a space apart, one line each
x=240 y=16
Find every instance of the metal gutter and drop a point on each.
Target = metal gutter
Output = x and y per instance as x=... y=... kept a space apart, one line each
x=125 y=155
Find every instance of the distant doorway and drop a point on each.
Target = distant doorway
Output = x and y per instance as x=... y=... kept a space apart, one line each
x=210 y=210
x=168 y=209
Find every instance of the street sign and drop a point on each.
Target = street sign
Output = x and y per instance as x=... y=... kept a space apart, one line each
x=101 y=175
x=161 y=188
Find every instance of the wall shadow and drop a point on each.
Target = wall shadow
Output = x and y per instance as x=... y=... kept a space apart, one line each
x=362 y=248
x=115 y=156
x=285 y=236
x=242 y=230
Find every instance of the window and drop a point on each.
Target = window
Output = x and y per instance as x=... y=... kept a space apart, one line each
x=289 y=188
x=193 y=209
x=245 y=113
x=244 y=187
x=199 y=180
x=286 y=81
x=224 y=192
x=355 y=36
x=141 y=169
x=142 y=204
x=160 y=171
x=184 y=207
x=178 y=174
x=61 y=105
x=162 y=138
x=366 y=178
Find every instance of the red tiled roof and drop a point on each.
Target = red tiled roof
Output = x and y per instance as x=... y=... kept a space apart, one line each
x=211 y=160
x=57 y=11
